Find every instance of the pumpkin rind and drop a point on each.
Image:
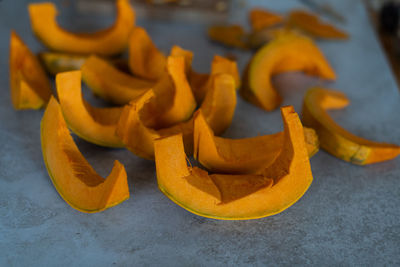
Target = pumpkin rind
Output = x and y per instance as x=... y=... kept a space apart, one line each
x=111 y=84
x=202 y=194
x=336 y=140
x=73 y=177
x=30 y=88
x=95 y=125
x=288 y=52
x=110 y=41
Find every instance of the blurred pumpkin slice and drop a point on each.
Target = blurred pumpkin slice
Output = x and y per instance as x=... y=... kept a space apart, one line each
x=110 y=41
x=311 y=24
x=29 y=85
x=145 y=59
x=111 y=84
x=262 y=18
x=231 y=35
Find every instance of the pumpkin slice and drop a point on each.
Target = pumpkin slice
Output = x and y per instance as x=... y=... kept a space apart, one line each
x=311 y=24
x=55 y=62
x=234 y=197
x=230 y=35
x=111 y=84
x=145 y=59
x=73 y=177
x=106 y=42
x=174 y=101
x=200 y=83
x=262 y=18
x=288 y=52
x=95 y=125
x=240 y=156
x=30 y=87
x=218 y=108
x=336 y=140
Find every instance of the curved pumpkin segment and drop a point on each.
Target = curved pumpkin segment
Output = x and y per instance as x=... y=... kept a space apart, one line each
x=106 y=42
x=288 y=52
x=311 y=24
x=234 y=197
x=262 y=18
x=336 y=140
x=200 y=83
x=95 y=125
x=111 y=84
x=174 y=101
x=55 y=62
x=218 y=109
x=240 y=156
x=30 y=87
x=177 y=51
x=231 y=35
x=73 y=177
x=145 y=60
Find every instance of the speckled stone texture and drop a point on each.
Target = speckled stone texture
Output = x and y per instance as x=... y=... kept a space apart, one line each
x=350 y=216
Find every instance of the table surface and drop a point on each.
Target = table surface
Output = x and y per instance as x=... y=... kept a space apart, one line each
x=349 y=216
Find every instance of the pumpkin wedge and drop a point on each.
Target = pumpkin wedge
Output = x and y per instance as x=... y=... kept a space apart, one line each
x=55 y=62
x=336 y=140
x=73 y=177
x=29 y=85
x=111 y=84
x=240 y=156
x=95 y=125
x=236 y=197
x=288 y=52
x=174 y=101
x=200 y=83
x=311 y=24
x=106 y=42
x=262 y=18
x=218 y=108
x=145 y=59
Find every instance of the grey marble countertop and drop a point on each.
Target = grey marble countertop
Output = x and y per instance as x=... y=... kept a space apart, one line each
x=349 y=216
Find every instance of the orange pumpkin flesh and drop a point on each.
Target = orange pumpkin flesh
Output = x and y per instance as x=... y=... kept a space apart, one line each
x=336 y=140
x=240 y=156
x=73 y=177
x=95 y=125
x=262 y=18
x=30 y=87
x=288 y=52
x=230 y=35
x=234 y=197
x=145 y=60
x=111 y=84
x=106 y=42
x=174 y=101
x=200 y=83
x=218 y=109
x=311 y=24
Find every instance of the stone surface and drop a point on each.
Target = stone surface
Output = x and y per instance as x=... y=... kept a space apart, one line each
x=349 y=216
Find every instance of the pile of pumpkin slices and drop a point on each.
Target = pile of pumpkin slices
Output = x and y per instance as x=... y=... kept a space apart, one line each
x=164 y=111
